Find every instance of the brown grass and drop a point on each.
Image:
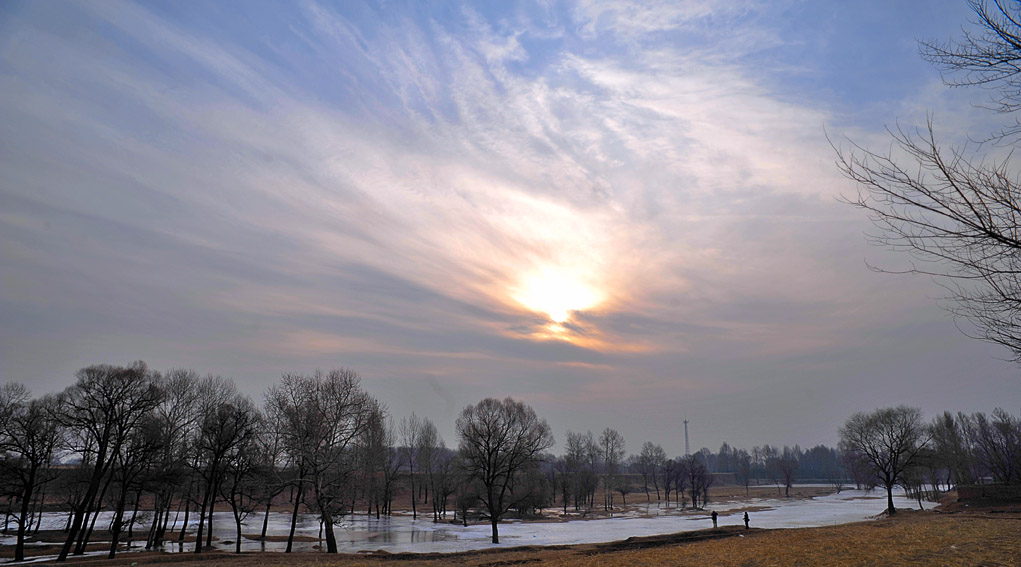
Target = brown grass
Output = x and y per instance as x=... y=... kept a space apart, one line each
x=910 y=539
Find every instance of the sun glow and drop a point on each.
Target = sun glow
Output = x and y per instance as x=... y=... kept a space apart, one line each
x=556 y=293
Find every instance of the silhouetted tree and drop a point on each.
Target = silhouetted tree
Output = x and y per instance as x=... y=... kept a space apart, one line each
x=611 y=446
x=996 y=444
x=886 y=443
x=101 y=409
x=324 y=414
x=29 y=435
x=951 y=448
x=131 y=462
x=410 y=432
x=498 y=440
x=226 y=418
x=242 y=461
x=744 y=469
x=787 y=465
x=697 y=478
x=175 y=418
x=650 y=462
x=954 y=210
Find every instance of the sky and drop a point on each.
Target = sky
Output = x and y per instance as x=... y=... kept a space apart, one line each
x=625 y=214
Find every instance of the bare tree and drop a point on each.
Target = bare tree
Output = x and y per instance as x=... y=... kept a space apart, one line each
x=564 y=480
x=288 y=406
x=698 y=479
x=226 y=420
x=650 y=461
x=431 y=451
x=238 y=485
x=951 y=448
x=13 y=396
x=744 y=469
x=374 y=447
x=444 y=481
x=175 y=417
x=410 y=432
x=887 y=443
x=787 y=465
x=468 y=489
x=131 y=462
x=611 y=444
x=622 y=484
x=29 y=436
x=269 y=446
x=955 y=210
x=771 y=465
x=323 y=416
x=498 y=440
x=391 y=464
x=997 y=444
x=574 y=461
x=101 y=409
x=990 y=57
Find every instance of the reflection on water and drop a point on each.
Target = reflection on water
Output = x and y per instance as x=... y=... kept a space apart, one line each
x=353 y=533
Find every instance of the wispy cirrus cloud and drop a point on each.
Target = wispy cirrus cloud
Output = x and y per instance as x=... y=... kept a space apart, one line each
x=426 y=194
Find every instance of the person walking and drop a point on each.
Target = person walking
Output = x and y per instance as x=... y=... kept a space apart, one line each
x=714 y=518
x=746 y=520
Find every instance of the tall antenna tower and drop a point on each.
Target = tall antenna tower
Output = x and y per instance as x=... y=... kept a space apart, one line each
x=687 y=445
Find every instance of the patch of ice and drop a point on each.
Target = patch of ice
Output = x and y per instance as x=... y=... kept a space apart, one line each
x=401 y=533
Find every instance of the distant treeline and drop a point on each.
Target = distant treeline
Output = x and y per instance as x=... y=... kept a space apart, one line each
x=160 y=450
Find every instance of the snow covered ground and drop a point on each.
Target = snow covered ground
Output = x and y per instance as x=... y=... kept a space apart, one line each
x=400 y=533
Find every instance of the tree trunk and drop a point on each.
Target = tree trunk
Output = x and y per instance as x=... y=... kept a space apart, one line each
x=202 y=525
x=496 y=534
x=237 y=541
x=331 y=538
x=42 y=505
x=118 y=521
x=79 y=514
x=265 y=520
x=26 y=498
x=134 y=514
x=163 y=524
x=86 y=535
x=889 y=500
x=157 y=517
x=212 y=507
x=237 y=525
x=294 y=518
x=414 y=512
x=187 y=511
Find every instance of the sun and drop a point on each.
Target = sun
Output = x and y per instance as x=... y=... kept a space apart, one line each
x=557 y=293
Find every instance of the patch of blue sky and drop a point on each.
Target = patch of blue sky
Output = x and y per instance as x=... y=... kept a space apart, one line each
x=855 y=58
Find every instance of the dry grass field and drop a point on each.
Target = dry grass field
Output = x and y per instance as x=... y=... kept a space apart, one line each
x=988 y=537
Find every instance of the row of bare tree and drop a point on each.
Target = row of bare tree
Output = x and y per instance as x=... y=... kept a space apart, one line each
x=169 y=447
x=894 y=446
x=586 y=462
x=175 y=445
x=161 y=450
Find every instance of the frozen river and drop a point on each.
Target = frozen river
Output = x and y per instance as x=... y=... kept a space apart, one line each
x=400 y=533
